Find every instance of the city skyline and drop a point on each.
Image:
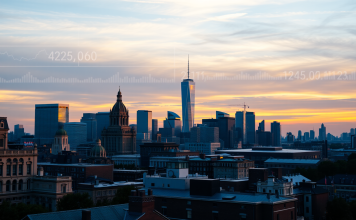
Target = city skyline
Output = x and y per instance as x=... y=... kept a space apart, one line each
x=152 y=39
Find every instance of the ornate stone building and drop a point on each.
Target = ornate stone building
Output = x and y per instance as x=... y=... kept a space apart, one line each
x=60 y=142
x=119 y=138
x=19 y=180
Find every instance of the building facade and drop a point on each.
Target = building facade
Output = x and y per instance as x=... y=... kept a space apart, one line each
x=276 y=133
x=60 y=142
x=232 y=168
x=90 y=120
x=119 y=138
x=48 y=119
x=144 y=123
x=103 y=121
x=188 y=103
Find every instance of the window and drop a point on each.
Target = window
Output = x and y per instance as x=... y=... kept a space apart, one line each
x=14 y=169
x=307 y=198
x=164 y=210
x=307 y=209
x=0 y=186
x=291 y=215
x=168 y=185
x=8 y=170
x=189 y=214
x=0 y=170
x=20 y=169
x=1 y=124
x=152 y=184
x=29 y=169
x=20 y=184
x=28 y=184
x=14 y=184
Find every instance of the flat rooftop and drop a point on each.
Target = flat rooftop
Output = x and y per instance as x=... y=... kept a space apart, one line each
x=292 y=161
x=246 y=198
x=104 y=185
x=121 y=170
x=71 y=164
x=283 y=151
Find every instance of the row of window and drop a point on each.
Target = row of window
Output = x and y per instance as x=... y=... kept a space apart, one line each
x=14 y=186
x=104 y=193
x=15 y=171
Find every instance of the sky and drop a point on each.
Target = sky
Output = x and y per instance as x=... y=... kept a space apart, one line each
x=290 y=61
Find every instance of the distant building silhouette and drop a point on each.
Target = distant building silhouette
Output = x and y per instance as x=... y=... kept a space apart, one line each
x=322 y=133
x=276 y=133
x=188 y=103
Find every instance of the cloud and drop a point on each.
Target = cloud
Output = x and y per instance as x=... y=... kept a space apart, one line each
x=226 y=18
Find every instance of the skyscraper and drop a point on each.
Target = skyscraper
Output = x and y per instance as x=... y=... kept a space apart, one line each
x=103 y=121
x=261 y=126
x=245 y=126
x=173 y=121
x=48 y=119
x=299 y=135
x=352 y=131
x=188 y=102
x=154 y=129
x=276 y=133
x=312 y=135
x=322 y=133
x=306 y=136
x=90 y=120
x=77 y=133
x=221 y=114
x=144 y=124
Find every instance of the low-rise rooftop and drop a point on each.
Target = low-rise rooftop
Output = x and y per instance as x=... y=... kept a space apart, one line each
x=292 y=161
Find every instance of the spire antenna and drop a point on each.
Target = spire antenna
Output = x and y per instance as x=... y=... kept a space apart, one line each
x=188 y=66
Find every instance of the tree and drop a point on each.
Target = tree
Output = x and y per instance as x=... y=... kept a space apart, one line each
x=75 y=201
x=327 y=168
x=341 y=166
x=338 y=209
x=122 y=195
x=351 y=156
x=10 y=211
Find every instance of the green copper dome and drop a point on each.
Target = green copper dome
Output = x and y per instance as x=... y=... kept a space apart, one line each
x=98 y=150
x=61 y=132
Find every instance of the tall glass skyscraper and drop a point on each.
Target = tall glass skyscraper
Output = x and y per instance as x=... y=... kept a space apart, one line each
x=245 y=126
x=90 y=120
x=77 y=133
x=48 y=118
x=103 y=121
x=276 y=133
x=188 y=103
x=144 y=123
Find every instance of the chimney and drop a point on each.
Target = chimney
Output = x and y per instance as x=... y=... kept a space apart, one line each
x=202 y=156
x=150 y=193
x=86 y=215
x=40 y=171
x=140 y=202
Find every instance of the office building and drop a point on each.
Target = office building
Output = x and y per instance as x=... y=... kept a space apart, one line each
x=232 y=168
x=77 y=134
x=19 y=131
x=322 y=133
x=203 y=147
x=144 y=123
x=261 y=154
x=127 y=160
x=264 y=138
x=275 y=186
x=173 y=121
x=148 y=148
x=306 y=136
x=299 y=135
x=250 y=128
x=289 y=165
x=276 y=133
x=92 y=128
x=290 y=137
x=154 y=129
x=240 y=126
x=352 y=131
x=312 y=135
x=60 y=142
x=102 y=121
x=221 y=114
x=204 y=134
x=226 y=127
x=48 y=119
x=245 y=126
x=119 y=138
x=261 y=126
x=188 y=103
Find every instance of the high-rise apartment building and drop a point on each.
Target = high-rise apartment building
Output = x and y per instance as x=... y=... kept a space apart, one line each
x=102 y=121
x=90 y=120
x=312 y=135
x=290 y=137
x=276 y=133
x=299 y=135
x=154 y=129
x=250 y=127
x=188 y=103
x=144 y=123
x=322 y=133
x=48 y=119
x=352 y=131
x=306 y=136
x=77 y=134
